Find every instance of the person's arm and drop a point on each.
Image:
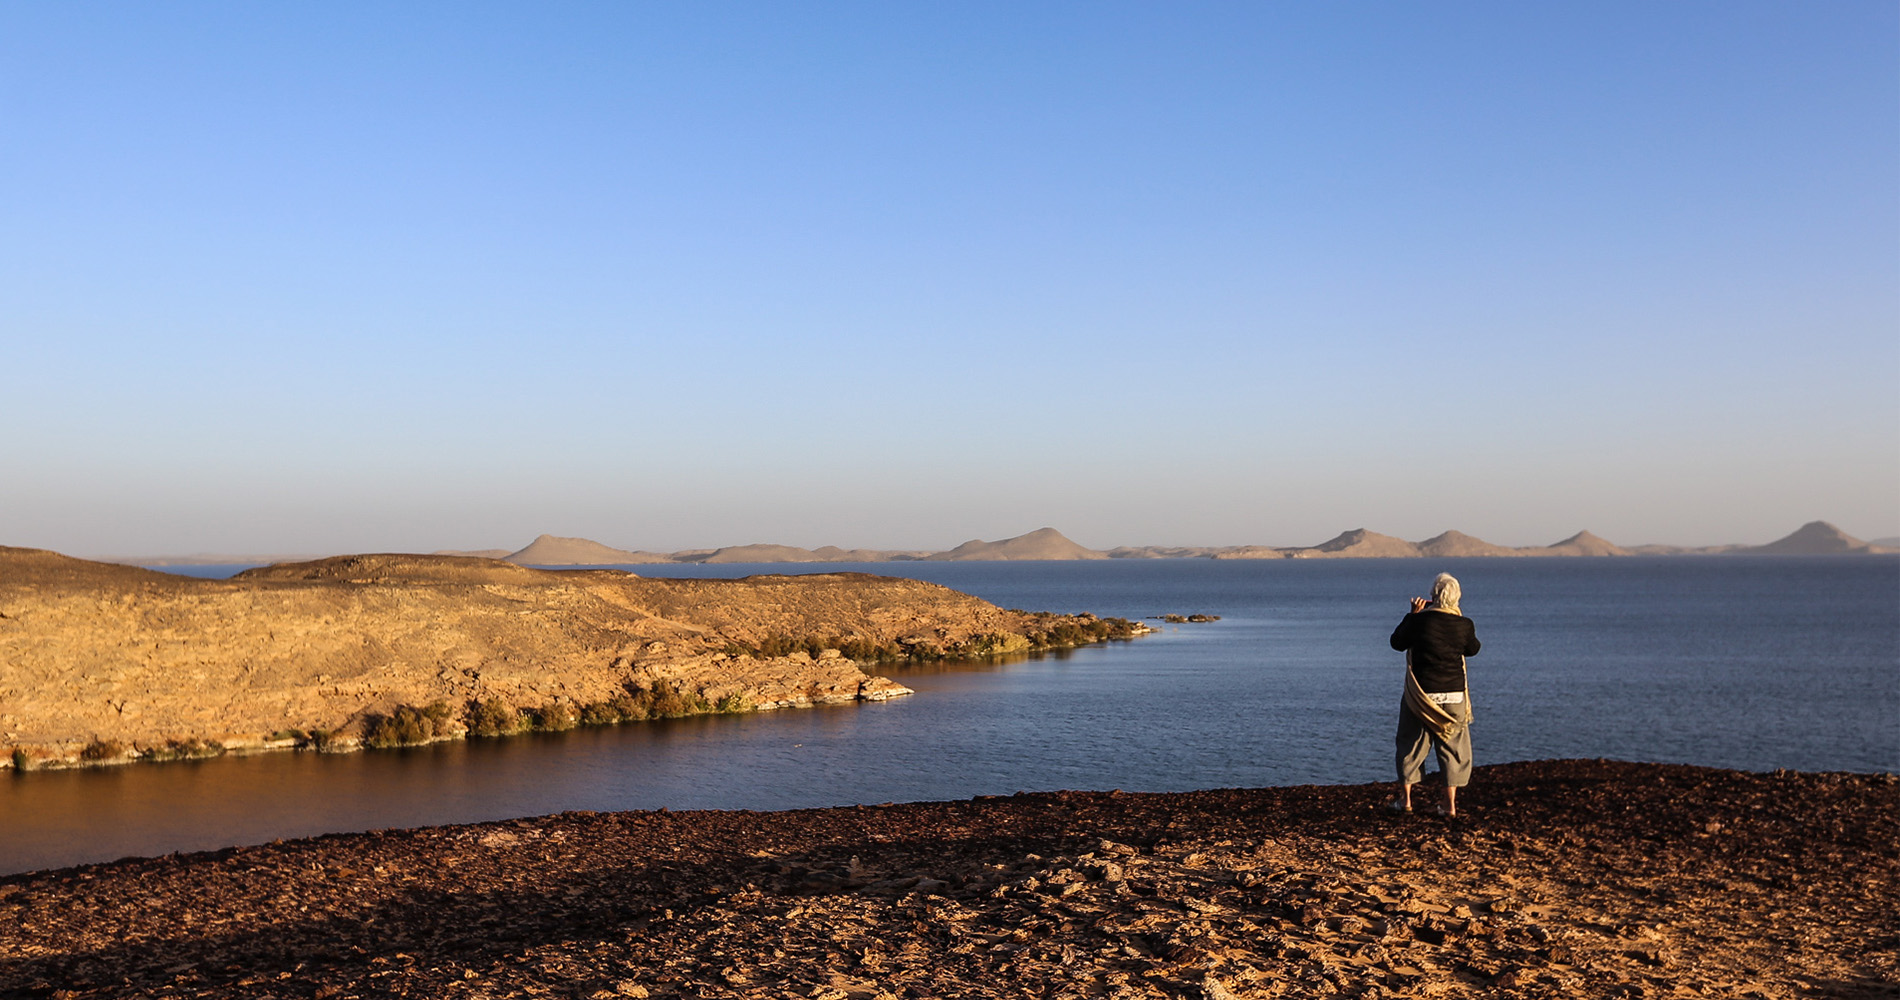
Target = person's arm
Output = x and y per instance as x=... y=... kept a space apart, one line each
x=1471 y=638
x=1407 y=632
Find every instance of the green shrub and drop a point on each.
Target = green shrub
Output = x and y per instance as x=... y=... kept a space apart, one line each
x=670 y=701
x=600 y=713
x=406 y=726
x=777 y=645
x=555 y=718
x=734 y=702
x=102 y=750
x=324 y=739
x=631 y=709
x=492 y=717
x=291 y=734
x=20 y=759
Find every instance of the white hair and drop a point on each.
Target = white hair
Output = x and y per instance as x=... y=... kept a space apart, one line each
x=1446 y=592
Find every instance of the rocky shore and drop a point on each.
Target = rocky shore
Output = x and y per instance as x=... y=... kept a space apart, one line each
x=103 y=664
x=1565 y=878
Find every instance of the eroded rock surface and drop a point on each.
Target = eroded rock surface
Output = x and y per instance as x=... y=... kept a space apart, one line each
x=1568 y=878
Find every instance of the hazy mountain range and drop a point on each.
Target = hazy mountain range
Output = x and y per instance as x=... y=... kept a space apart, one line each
x=1813 y=538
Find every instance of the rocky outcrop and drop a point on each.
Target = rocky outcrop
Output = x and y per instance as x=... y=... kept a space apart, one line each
x=113 y=662
x=1566 y=879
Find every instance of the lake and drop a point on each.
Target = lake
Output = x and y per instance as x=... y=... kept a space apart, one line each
x=1748 y=662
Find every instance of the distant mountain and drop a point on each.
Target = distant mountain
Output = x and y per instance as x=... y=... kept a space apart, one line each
x=1358 y=544
x=551 y=550
x=1458 y=545
x=1815 y=538
x=832 y=553
x=202 y=559
x=1582 y=543
x=1043 y=543
x=1173 y=551
x=1253 y=552
x=761 y=553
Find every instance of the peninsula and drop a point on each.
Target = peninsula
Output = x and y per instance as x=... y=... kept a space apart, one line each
x=101 y=663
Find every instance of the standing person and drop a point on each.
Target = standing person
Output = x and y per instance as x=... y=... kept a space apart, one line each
x=1436 y=711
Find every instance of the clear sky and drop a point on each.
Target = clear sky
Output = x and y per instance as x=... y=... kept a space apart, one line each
x=348 y=277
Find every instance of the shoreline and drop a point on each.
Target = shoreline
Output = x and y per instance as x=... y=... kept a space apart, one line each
x=873 y=688
x=1593 y=877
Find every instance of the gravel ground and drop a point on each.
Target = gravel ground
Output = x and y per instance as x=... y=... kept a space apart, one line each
x=1563 y=878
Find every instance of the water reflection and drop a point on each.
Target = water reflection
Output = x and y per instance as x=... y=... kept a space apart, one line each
x=56 y=818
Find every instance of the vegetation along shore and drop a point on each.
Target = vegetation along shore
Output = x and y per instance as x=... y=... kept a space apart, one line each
x=1566 y=878
x=104 y=664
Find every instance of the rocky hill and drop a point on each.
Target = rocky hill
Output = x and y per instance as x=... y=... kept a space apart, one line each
x=1457 y=544
x=1582 y=543
x=551 y=550
x=1043 y=543
x=1815 y=538
x=1357 y=544
x=110 y=662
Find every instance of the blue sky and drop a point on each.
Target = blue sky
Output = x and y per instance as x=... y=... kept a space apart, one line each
x=347 y=277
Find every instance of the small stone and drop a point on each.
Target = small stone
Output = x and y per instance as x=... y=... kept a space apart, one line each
x=1512 y=979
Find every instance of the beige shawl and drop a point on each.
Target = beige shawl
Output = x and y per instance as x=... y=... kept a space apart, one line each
x=1433 y=716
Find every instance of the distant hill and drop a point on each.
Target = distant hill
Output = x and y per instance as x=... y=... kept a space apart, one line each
x=1358 y=544
x=1043 y=543
x=551 y=550
x=1457 y=544
x=1252 y=552
x=1815 y=538
x=203 y=559
x=1173 y=551
x=1582 y=543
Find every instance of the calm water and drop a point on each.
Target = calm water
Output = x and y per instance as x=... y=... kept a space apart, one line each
x=1745 y=662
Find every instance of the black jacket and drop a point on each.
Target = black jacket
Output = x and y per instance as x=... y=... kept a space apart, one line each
x=1439 y=643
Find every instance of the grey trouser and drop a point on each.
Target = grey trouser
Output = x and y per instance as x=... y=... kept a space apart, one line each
x=1454 y=755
